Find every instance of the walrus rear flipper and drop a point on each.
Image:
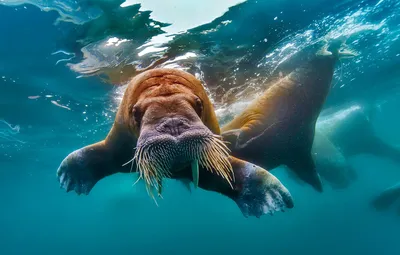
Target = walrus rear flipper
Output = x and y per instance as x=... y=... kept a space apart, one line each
x=255 y=190
x=375 y=146
x=304 y=167
x=388 y=197
x=83 y=168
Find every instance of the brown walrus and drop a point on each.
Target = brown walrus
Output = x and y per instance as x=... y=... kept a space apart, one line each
x=278 y=127
x=166 y=127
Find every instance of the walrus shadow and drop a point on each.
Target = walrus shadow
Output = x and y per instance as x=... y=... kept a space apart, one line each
x=124 y=203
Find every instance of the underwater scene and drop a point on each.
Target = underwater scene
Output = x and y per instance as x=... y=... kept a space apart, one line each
x=200 y=127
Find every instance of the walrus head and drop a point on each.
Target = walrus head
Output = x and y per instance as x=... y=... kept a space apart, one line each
x=173 y=119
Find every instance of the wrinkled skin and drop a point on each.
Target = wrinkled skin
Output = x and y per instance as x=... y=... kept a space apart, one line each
x=167 y=116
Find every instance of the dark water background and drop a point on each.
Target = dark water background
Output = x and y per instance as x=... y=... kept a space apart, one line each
x=46 y=112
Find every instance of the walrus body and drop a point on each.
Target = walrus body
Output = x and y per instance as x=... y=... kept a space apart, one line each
x=343 y=134
x=166 y=127
x=278 y=127
x=338 y=136
x=352 y=132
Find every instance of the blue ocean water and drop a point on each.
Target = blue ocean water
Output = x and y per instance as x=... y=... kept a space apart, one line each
x=54 y=98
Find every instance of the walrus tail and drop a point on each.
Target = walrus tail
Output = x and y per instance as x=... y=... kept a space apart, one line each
x=388 y=197
x=84 y=167
x=375 y=146
x=369 y=140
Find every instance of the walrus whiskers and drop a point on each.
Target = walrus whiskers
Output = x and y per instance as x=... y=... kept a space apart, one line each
x=152 y=169
x=154 y=161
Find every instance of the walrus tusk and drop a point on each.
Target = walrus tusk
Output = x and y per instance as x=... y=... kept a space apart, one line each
x=195 y=172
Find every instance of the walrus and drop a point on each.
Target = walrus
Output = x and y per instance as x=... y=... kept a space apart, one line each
x=166 y=127
x=387 y=198
x=278 y=127
x=339 y=134
x=344 y=133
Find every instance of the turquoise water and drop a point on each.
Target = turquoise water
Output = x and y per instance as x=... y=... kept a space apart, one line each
x=49 y=107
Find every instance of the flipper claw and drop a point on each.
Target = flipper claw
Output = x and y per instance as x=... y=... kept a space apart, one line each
x=262 y=194
x=74 y=174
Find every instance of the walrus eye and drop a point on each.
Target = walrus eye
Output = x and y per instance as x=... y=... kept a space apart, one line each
x=136 y=115
x=199 y=106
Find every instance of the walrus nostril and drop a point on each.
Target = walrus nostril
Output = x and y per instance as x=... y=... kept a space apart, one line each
x=173 y=126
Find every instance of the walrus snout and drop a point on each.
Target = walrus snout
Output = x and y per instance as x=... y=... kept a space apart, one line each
x=175 y=130
x=174 y=137
x=173 y=126
x=166 y=149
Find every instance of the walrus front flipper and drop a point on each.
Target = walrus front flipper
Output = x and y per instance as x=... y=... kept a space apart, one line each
x=388 y=197
x=255 y=190
x=304 y=167
x=83 y=168
x=300 y=160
